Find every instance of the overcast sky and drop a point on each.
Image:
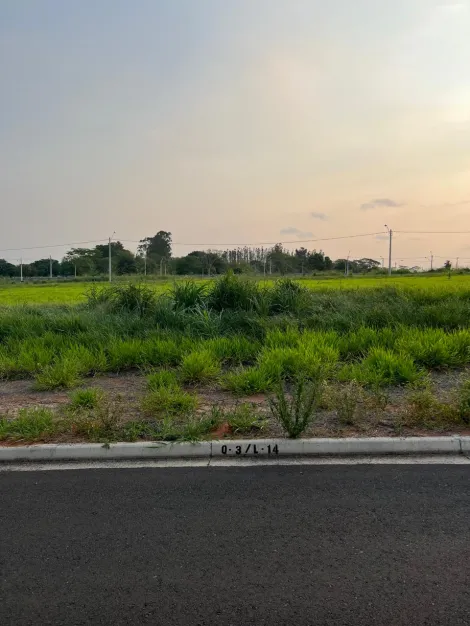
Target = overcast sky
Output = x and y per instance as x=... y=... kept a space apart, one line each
x=235 y=121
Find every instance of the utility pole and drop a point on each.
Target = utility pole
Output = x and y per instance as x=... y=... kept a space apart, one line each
x=346 y=269
x=432 y=258
x=109 y=260
x=145 y=261
x=50 y=267
x=75 y=268
x=390 y=235
x=457 y=264
x=161 y=266
x=21 y=269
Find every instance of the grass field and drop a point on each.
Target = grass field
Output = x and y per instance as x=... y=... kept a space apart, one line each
x=357 y=339
x=75 y=293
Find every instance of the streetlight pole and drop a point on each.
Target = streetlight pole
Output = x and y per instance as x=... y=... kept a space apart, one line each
x=50 y=267
x=390 y=235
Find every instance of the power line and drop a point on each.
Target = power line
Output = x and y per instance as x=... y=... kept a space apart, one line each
x=54 y=245
x=433 y=232
x=265 y=243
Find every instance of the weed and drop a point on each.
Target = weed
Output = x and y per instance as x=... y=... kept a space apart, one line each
x=30 y=425
x=423 y=409
x=63 y=374
x=169 y=400
x=249 y=381
x=100 y=422
x=162 y=379
x=233 y=292
x=85 y=399
x=244 y=419
x=382 y=367
x=188 y=295
x=463 y=401
x=199 y=367
x=346 y=401
x=295 y=412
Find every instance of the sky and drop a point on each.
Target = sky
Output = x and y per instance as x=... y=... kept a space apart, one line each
x=236 y=121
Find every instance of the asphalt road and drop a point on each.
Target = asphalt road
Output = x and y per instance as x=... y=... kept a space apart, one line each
x=323 y=545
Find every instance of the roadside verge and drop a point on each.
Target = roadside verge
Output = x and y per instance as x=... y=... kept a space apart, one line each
x=242 y=448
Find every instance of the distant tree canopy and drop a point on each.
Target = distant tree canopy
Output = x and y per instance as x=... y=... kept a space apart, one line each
x=154 y=254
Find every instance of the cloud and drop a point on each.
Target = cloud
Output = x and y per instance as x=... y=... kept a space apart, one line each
x=380 y=202
x=318 y=215
x=295 y=231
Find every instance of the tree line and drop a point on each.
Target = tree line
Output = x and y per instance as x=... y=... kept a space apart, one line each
x=154 y=257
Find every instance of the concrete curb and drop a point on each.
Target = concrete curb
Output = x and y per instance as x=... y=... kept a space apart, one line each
x=242 y=448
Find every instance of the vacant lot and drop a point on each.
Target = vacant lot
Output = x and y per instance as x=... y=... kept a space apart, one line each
x=188 y=360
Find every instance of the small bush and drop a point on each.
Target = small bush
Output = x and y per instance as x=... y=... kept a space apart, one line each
x=173 y=401
x=423 y=409
x=62 y=374
x=162 y=379
x=199 y=367
x=30 y=425
x=85 y=399
x=295 y=412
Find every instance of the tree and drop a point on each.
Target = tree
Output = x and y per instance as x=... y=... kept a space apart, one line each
x=157 y=247
x=7 y=269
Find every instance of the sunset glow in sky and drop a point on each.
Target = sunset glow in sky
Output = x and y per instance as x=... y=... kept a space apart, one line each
x=236 y=121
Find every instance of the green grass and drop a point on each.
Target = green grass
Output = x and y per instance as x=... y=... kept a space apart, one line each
x=29 y=425
x=200 y=366
x=173 y=401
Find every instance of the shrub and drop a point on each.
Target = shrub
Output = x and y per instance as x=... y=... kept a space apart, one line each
x=199 y=367
x=63 y=374
x=169 y=400
x=295 y=412
x=31 y=424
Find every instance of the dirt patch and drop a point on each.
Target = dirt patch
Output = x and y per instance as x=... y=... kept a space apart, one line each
x=369 y=421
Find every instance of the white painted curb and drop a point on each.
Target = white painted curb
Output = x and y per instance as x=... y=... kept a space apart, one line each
x=242 y=448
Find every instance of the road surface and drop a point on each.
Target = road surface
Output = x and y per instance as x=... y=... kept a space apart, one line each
x=294 y=545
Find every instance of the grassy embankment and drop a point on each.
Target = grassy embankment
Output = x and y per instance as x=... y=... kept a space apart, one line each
x=241 y=337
